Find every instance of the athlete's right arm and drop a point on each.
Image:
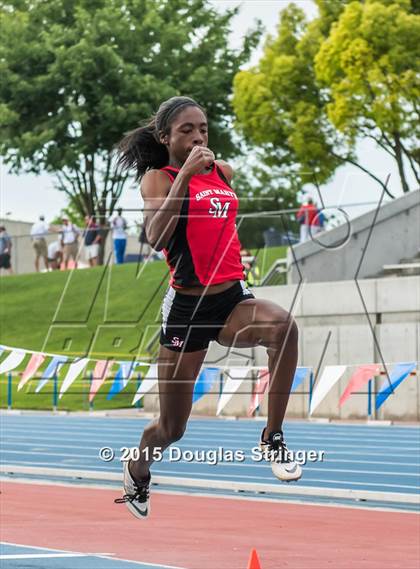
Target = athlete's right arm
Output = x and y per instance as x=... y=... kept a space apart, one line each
x=162 y=205
x=163 y=199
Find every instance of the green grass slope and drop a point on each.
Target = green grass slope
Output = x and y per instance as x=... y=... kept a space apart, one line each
x=106 y=312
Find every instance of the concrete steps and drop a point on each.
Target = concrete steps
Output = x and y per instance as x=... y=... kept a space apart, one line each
x=401 y=270
x=407 y=267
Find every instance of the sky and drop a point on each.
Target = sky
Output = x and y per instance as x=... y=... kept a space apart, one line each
x=26 y=196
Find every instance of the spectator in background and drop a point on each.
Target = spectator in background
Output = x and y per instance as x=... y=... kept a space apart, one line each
x=92 y=239
x=55 y=255
x=69 y=241
x=307 y=217
x=252 y=272
x=39 y=231
x=5 y=250
x=145 y=248
x=318 y=223
x=119 y=236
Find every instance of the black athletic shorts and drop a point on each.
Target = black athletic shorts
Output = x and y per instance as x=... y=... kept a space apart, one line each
x=5 y=261
x=190 y=322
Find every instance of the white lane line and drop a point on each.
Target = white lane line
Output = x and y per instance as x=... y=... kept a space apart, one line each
x=307 y=479
x=25 y=545
x=236 y=485
x=37 y=453
x=227 y=426
x=238 y=425
x=308 y=468
x=371 y=453
x=170 y=476
x=327 y=458
x=368 y=431
x=184 y=445
x=42 y=555
x=365 y=433
x=37 y=447
x=142 y=563
x=36 y=443
x=231 y=443
x=197 y=422
x=58 y=553
x=63 y=466
x=103 y=439
x=193 y=433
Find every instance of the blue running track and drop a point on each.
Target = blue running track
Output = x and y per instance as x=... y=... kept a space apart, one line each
x=383 y=459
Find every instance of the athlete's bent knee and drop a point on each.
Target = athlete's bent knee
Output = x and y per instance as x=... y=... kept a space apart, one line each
x=173 y=432
x=285 y=332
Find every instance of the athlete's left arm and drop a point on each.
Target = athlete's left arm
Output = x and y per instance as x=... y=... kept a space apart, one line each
x=226 y=169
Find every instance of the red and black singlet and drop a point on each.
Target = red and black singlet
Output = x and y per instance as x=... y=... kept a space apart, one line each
x=204 y=248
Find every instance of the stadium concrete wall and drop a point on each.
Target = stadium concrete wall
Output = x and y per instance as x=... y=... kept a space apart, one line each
x=23 y=256
x=364 y=244
x=336 y=310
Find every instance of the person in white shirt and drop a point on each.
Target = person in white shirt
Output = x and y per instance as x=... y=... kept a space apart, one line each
x=119 y=236
x=69 y=241
x=39 y=231
x=55 y=255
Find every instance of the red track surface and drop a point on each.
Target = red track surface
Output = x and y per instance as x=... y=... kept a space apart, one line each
x=207 y=533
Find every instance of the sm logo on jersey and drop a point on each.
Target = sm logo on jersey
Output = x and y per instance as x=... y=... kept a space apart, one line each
x=218 y=210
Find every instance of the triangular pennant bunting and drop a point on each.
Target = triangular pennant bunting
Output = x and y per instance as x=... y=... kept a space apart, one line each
x=102 y=369
x=300 y=375
x=12 y=361
x=33 y=365
x=72 y=374
x=205 y=382
x=235 y=376
x=121 y=378
x=147 y=384
x=328 y=379
x=259 y=390
x=398 y=374
x=360 y=377
x=53 y=368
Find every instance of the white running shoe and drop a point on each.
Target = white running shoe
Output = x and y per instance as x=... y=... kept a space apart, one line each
x=282 y=463
x=136 y=496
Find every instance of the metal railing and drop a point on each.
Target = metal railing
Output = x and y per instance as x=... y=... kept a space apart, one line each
x=87 y=403
x=276 y=274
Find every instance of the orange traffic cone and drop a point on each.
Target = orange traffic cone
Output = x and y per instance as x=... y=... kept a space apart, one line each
x=254 y=562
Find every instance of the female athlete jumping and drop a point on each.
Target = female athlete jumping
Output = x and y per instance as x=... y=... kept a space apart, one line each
x=190 y=210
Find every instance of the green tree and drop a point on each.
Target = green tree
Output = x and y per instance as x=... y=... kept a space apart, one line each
x=267 y=197
x=329 y=12
x=72 y=214
x=77 y=74
x=370 y=65
x=282 y=103
x=280 y=107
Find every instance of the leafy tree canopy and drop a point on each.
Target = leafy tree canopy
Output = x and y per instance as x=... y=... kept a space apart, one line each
x=370 y=63
x=303 y=98
x=77 y=74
